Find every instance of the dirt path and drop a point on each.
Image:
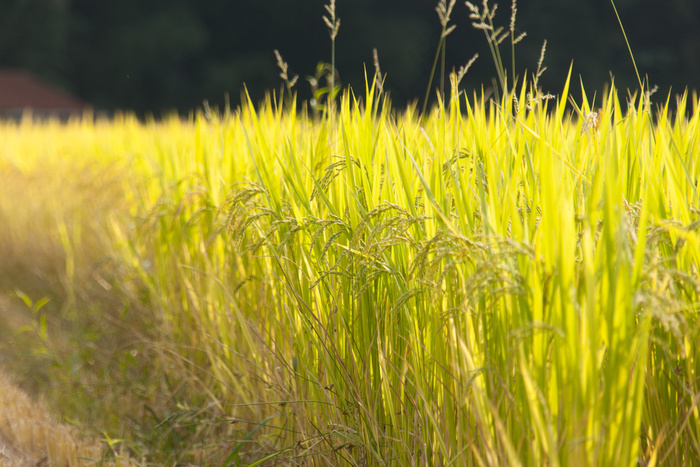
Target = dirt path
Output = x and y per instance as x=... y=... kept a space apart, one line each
x=29 y=435
x=9 y=455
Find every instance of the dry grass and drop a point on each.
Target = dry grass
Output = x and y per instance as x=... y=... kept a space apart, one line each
x=75 y=325
x=30 y=436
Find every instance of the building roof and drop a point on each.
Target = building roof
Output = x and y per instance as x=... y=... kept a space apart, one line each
x=21 y=90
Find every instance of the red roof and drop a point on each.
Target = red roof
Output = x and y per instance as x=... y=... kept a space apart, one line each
x=20 y=90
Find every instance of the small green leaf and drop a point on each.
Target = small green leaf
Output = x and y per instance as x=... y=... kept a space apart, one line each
x=40 y=304
x=25 y=298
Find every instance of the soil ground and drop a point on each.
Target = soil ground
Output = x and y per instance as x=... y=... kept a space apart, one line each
x=16 y=408
x=29 y=435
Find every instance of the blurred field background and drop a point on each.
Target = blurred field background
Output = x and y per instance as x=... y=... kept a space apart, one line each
x=160 y=55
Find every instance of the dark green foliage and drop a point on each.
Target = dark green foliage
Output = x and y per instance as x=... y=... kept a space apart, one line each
x=160 y=55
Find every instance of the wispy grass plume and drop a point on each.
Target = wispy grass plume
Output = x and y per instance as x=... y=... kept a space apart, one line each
x=444 y=11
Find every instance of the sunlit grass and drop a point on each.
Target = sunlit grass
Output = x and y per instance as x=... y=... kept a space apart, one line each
x=495 y=283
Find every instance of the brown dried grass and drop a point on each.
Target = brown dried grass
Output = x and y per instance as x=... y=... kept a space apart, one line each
x=30 y=436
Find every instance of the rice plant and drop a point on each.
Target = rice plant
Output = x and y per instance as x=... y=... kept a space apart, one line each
x=487 y=287
x=508 y=281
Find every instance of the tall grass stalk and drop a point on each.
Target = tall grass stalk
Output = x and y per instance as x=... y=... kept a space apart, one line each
x=513 y=39
x=482 y=18
x=444 y=11
x=333 y=24
x=476 y=286
x=627 y=42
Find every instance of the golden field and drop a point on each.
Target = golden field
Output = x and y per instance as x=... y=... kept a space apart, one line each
x=508 y=282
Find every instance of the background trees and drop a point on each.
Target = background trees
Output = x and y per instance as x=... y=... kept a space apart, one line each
x=160 y=55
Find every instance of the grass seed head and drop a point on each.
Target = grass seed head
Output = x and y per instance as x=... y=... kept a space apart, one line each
x=444 y=11
x=333 y=22
x=283 y=71
x=377 y=70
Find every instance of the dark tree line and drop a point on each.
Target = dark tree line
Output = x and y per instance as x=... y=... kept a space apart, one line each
x=159 y=55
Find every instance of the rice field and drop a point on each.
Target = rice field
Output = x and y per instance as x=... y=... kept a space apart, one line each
x=497 y=282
